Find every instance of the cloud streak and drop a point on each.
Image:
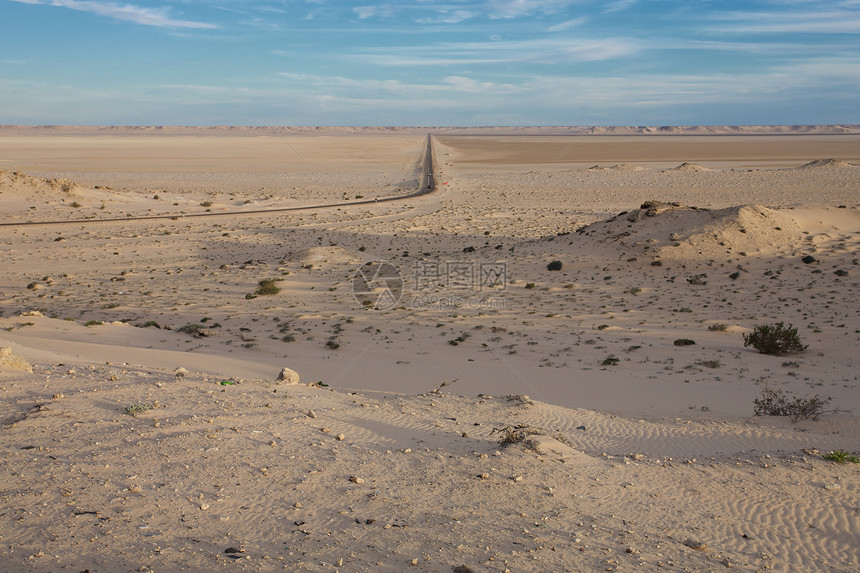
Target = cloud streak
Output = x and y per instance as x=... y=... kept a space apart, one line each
x=158 y=17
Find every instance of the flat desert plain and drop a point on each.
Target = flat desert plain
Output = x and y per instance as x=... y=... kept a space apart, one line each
x=255 y=349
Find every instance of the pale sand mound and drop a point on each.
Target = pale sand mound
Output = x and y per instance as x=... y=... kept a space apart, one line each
x=317 y=257
x=690 y=168
x=827 y=163
x=671 y=230
x=8 y=360
x=13 y=181
x=618 y=167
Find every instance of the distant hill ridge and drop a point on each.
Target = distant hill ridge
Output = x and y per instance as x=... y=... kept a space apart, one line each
x=837 y=129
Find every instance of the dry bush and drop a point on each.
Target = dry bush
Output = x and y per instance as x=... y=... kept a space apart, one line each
x=516 y=434
x=776 y=339
x=773 y=402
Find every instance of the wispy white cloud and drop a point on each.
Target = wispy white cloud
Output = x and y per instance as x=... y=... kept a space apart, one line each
x=539 y=51
x=618 y=6
x=158 y=17
x=449 y=17
x=813 y=21
x=575 y=23
x=515 y=8
x=365 y=12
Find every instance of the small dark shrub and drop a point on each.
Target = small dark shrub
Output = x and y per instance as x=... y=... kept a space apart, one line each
x=610 y=360
x=684 y=342
x=515 y=434
x=776 y=339
x=332 y=344
x=778 y=403
x=554 y=266
x=195 y=330
x=135 y=409
x=718 y=327
x=840 y=457
x=266 y=287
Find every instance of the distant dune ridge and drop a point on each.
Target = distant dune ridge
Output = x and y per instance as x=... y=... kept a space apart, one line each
x=836 y=129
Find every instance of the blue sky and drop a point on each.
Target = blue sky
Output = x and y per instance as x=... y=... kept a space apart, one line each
x=460 y=62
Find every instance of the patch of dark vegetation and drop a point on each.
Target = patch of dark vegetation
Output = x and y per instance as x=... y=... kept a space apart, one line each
x=775 y=339
x=774 y=402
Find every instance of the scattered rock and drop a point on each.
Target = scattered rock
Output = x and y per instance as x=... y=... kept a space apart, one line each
x=696 y=545
x=232 y=550
x=180 y=372
x=288 y=376
x=554 y=266
x=684 y=342
x=808 y=259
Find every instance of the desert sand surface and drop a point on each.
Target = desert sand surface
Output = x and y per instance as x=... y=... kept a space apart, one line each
x=143 y=426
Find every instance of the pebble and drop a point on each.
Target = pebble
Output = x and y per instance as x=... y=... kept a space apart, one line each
x=340 y=437
x=311 y=414
x=204 y=506
x=356 y=479
x=697 y=545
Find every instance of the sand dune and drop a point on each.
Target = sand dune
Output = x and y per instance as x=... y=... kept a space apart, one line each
x=152 y=434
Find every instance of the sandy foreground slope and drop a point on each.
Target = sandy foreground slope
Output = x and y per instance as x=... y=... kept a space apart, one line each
x=635 y=453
